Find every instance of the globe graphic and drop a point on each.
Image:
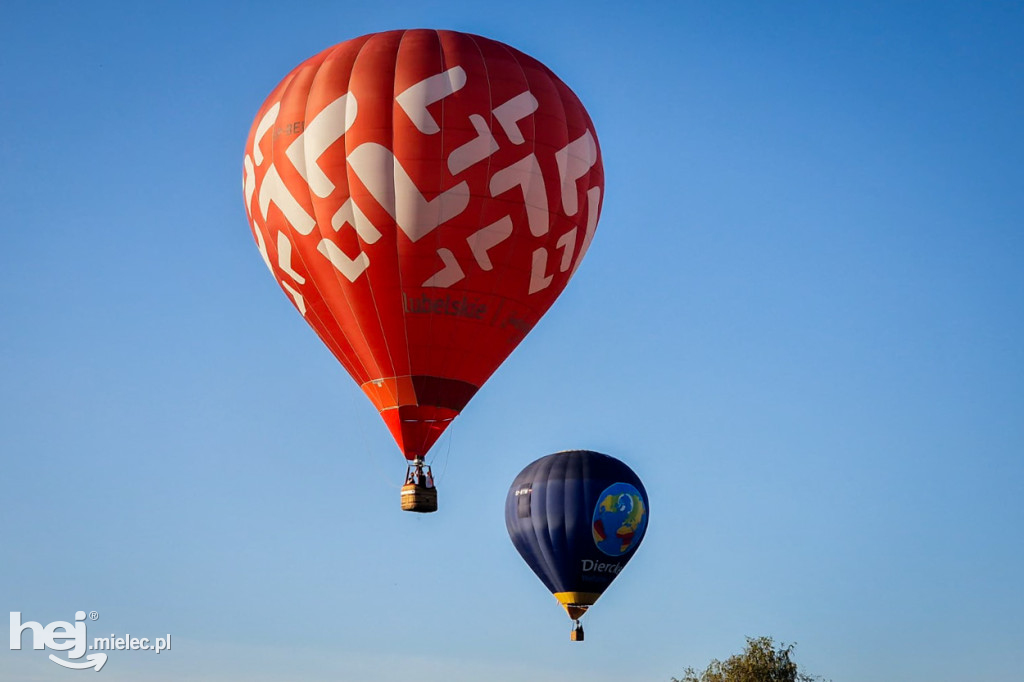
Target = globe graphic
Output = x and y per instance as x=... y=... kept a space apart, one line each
x=620 y=519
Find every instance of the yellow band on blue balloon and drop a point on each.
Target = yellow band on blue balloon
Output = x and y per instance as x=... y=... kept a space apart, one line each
x=576 y=598
x=576 y=603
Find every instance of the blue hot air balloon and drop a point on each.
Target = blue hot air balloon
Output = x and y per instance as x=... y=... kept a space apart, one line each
x=577 y=518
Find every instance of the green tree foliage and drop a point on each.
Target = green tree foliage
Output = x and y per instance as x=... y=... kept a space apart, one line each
x=760 y=661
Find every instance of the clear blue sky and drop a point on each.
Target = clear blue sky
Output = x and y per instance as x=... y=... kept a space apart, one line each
x=801 y=322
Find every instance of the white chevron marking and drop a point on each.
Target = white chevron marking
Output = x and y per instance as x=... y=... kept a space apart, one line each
x=394 y=190
x=511 y=112
x=325 y=129
x=574 y=161
x=486 y=238
x=349 y=214
x=449 y=274
x=526 y=173
x=567 y=242
x=538 y=280
x=593 y=204
x=273 y=190
x=265 y=124
x=415 y=99
x=248 y=182
x=474 y=151
x=284 y=258
x=300 y=302
x=350 y=267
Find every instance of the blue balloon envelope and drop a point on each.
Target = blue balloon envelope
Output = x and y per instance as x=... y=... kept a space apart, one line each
x=577 y=518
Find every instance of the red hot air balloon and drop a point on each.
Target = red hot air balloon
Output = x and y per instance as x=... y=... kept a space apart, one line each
x=422 y=197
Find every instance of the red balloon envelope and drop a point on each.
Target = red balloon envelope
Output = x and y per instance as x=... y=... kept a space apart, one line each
x=422 y=197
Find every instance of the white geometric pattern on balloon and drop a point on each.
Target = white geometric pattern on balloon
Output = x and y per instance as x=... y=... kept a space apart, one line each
x=395 y=190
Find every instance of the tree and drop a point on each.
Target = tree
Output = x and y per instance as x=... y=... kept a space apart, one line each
x=760 y=661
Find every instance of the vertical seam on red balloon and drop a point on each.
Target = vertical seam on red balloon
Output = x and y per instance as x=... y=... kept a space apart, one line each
x=553 y=82
x=349 y=173
x=501 y=272
x=370 y=288
x=319 y=226
x=564 y=92
x=516 y=243
x=346 y=287
x=389 y=372
x=446 y=346
x=271 y=244
x=398 y=232
x=443 y=358
x=431 y=339
x=342 y=286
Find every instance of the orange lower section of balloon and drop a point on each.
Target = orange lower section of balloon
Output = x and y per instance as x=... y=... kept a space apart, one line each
x=417 y=427
x=417 y=409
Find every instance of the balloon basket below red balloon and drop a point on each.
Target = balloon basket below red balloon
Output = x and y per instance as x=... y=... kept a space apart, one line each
x=418 y=493
x=418 y=498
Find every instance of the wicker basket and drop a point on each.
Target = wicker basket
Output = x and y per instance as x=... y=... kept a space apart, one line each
x=419 y=498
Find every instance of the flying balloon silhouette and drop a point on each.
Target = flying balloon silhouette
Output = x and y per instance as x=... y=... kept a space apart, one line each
x=577 y=518
x=422 y=197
